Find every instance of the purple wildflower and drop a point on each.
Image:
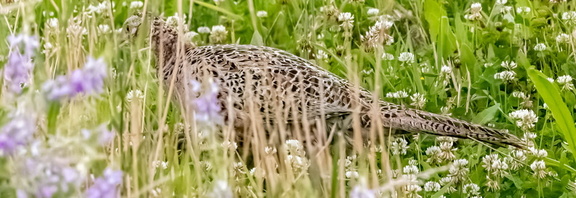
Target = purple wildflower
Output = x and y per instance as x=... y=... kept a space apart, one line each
x=15 y=133
x=29 y=43
x=361 y=191
x=206 y=104
x=105 y=186
x=102 y=135
x=88 y=80
x=19 y=67
x=49 y=175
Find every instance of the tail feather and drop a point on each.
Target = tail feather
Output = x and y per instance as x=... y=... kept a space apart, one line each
x=416 y=121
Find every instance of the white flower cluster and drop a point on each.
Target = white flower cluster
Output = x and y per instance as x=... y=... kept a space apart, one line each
x=218 y=34
x=565 y=82
x=475 y=12
x=296 y=156
x=540 y=47
x=406 y=57
x=525 y=118
x=569 y=17
x=398 y=94
x=418 y=100
x=505 y=76
x=346 y=20
x=399 y=146
x=377 y=35
x=523 y=10
x=563 y=38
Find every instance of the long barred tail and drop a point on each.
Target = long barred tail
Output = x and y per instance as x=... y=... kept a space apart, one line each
x=420 y=121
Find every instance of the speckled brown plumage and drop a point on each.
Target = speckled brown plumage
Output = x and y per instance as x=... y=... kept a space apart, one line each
x=272 y=80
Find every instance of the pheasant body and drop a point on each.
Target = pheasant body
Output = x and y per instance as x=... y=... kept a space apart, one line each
x=283 y=87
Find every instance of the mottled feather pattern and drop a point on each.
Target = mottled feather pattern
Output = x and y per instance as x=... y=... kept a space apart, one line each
x=274 y=80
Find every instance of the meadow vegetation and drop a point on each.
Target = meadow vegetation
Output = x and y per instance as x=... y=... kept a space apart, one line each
x=83 y=113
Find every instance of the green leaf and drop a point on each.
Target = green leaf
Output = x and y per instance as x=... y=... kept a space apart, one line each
x=433 y=13
x=486 y=115
x=550 y=93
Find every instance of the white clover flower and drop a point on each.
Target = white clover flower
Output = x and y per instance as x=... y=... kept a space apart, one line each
x=433 y=154
x=229 y=145
x=47 y=48
x=471 y=189
x=418 y=100
x=351 y=174
x=488 y=160
x=566 y=82
x=203 y=30
x=136 y=4
x=270 y=150
x=530 y=136
x=174 y=20
x=412 y=190
x=218 y=34
x=550 y=80
x=563 y=38
x=540 y=47
x=473 y=17
x=505 y=75
x=569 y=16
x=134 y=94
x=446 y=69
x=499 y=168
x=539 y=153
x=398 y=94
x=523 y=10
x=298 y=163
x=373 y=12
x=525 y=118
x=399 y=146
x=321 y=55
x=510 y=65
x=376 y=35
x=294 y=147
x=458 y=170
x=346 y=19
x=104 y=29
x=519 y=94
x=539 y=168
x=262 y=14
x=506 y=9
x=160 y=164
x=410 y=170
x=476 y=7
x=387 y=56
x=52 y=23
x=406 y=57
x=446 y=153
x=432 y=186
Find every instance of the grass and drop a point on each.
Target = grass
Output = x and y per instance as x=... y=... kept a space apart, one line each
x=63 y=146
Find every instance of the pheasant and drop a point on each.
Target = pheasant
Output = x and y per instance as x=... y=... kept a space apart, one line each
x=270 y=80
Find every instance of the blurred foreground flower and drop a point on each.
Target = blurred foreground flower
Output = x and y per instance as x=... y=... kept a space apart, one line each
x=19 y=66
x=88 y=80
x=48 y=176
x=106 y=186
x=206 y=106
x=17 y=132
